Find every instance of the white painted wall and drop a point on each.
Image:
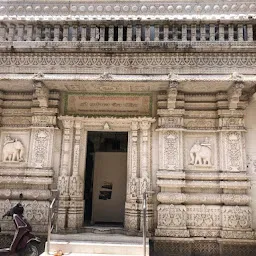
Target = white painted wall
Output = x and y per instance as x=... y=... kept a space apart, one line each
x=250 y=122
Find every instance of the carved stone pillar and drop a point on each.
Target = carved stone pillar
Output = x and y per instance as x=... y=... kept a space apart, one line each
x=145 y=175
x=172 y=215
x=76 y=208
x=236 y=214
x=65 y=171
x=131 y=205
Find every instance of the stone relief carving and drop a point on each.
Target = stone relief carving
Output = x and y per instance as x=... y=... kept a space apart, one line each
x=201 y=153
x=40 y=149
x=13 y=150
x=172 y=221
x=172 y=215
x=234 y=161
x=161 y=63
x=236 y=217
x=132 y=188
x=203 y=216
x=36 y=212
x=171 y=150
x=76 y=186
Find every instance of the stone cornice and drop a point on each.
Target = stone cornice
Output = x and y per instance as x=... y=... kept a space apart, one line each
x=96 y=10
x=128 y=47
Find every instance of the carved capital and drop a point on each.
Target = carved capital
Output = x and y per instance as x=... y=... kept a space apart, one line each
x=172 y=93
x=41 y=93
x=234 y=93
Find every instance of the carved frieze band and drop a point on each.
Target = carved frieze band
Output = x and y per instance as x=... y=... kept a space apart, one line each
x=157 y=63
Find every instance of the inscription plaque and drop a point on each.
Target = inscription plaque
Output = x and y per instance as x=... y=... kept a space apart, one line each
x=108 y=104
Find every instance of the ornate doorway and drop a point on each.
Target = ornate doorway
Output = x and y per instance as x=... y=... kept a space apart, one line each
x=105 y=178
x=71 y=178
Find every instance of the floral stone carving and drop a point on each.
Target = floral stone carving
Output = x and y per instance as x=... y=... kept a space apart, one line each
x=13 y=150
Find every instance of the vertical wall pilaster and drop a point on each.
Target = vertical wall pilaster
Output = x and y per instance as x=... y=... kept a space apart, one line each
x=172 y=214
x=76 y=186
x=65 y=172
x=131 y=205
x=236 y=213
x=145 y=175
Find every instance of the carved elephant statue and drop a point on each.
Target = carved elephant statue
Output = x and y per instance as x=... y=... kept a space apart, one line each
x=13 y=151
x=203 y=156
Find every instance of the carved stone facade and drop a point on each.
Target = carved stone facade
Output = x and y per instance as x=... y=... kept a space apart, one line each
x=178 y=77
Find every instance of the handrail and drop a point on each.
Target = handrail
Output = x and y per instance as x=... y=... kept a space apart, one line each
x=51 y=218
x=145 y=220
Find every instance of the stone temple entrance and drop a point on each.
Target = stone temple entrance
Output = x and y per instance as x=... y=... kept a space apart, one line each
x=105 y=178
x=76 y=206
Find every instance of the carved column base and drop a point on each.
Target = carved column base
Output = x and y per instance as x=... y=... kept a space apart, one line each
x=171 y=232
x=62 y=214
x=149 y=218
x=132 y=217
x=75 y=214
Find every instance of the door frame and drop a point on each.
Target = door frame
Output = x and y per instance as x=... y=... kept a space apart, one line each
x=73 y=161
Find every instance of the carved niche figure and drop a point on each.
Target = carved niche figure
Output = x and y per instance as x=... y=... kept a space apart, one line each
x=200 y=153
x=13 y=150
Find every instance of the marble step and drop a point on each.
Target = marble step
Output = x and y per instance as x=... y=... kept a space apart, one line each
x=98 y=244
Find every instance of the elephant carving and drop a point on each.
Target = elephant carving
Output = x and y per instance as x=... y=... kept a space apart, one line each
x=200 y=153
x=13 y=151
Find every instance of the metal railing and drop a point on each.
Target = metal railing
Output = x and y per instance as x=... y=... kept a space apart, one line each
x=52 y=218
x=144 y=207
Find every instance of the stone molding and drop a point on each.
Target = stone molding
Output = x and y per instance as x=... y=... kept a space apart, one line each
x=157 y=63
x=197 y=198
x=100 y=9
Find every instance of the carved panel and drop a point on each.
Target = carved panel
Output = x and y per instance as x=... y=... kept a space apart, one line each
x=204 y=216
x=41 y=148
x=234 y=152
x=169 y=150
x=236 y=217
x=76 y=187
x=171 y=216
x=200 y=151
x=14 y=147
x=36 y=212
